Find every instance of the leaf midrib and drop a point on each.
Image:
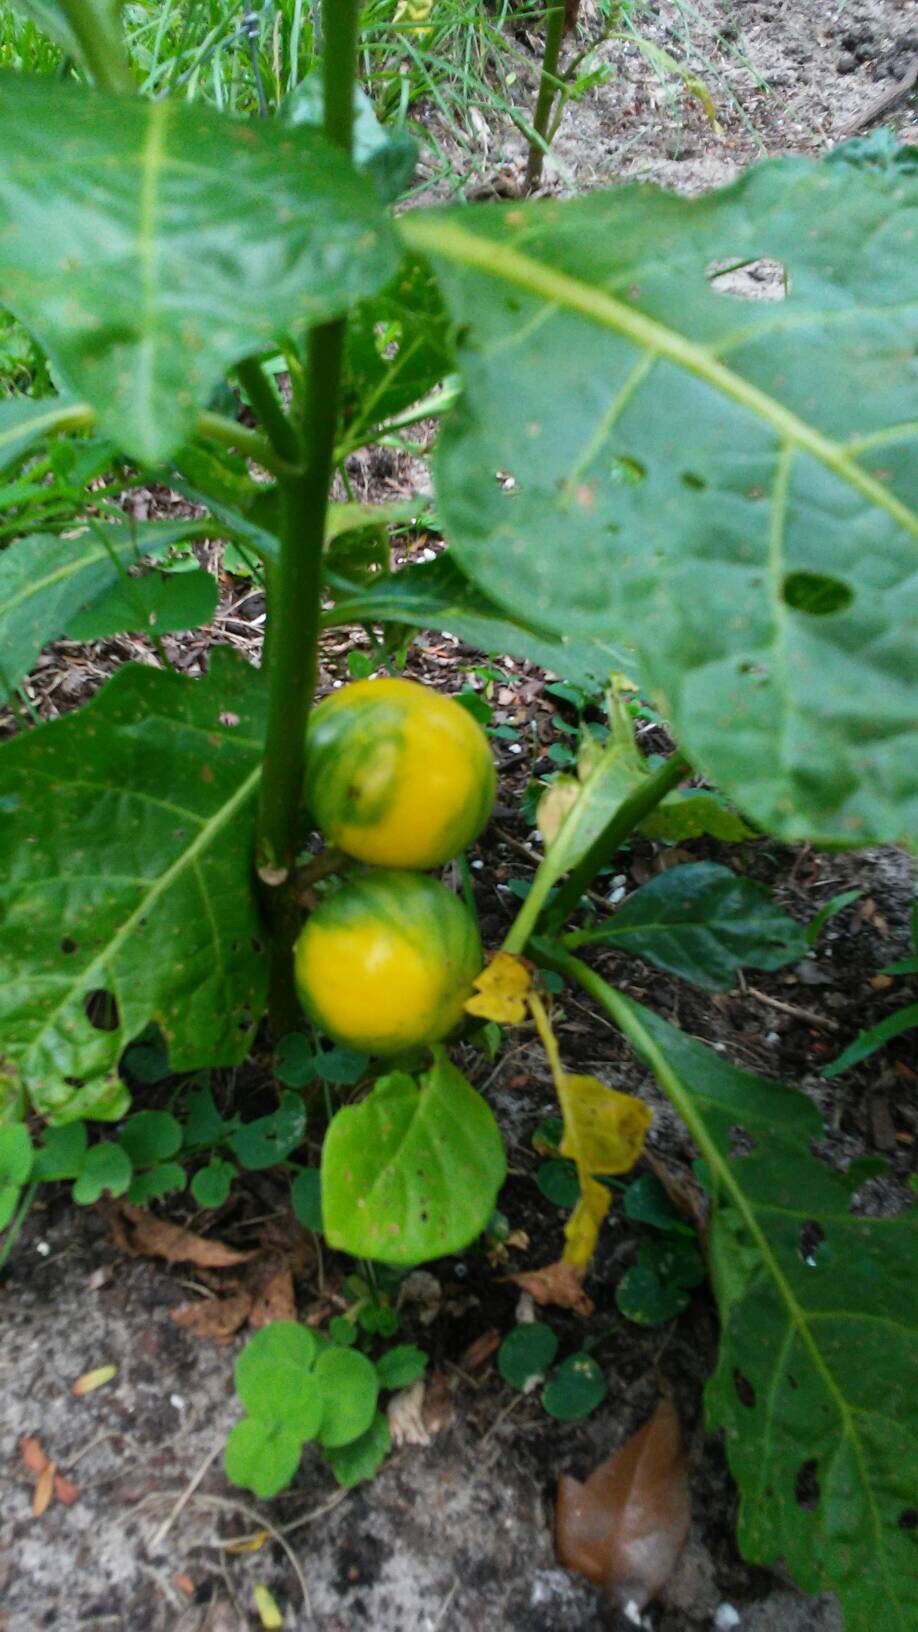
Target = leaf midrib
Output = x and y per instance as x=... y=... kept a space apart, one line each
x=427 y=235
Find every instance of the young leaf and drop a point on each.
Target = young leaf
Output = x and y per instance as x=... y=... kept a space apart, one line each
x=306 y=1199
x=269 y=1139
x=212 y=1184
x=160 y=1181
x=411 y=1173
x=690 y=812
x=157 y=603
x=145 y=319
x=798 y=705
x=159 y=913
x=106 y=1167
x=867 y=1042
x=401 y=1366
x=359 y=1460
x=262 y=1456
x=526 y=1354
x=559 y=1183
x=817 y=1348
x=657 y=1287
x=294 y=1060
x=151 y=1136
x=704 y=923
x=25 y=421
x=349 y=1388
x=203 y=1123
x=276 y=1378
x=501 y=990
x=61 y=1152
x=624 y=1528
x=575 y=1390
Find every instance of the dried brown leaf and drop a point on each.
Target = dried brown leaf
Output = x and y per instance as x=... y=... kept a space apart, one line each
x=274 y=1299
x=138 y=1232
x=439 y=1409
x=560 y=1285
x=217 y=1319
x=624 y=1528
x=44 y=1491
x=479 y=1352
x=33 y=1457
x=65 y=1491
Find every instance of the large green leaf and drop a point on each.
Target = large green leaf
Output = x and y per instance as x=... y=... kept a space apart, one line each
x=24 y=422
x=45 y=581
x=388 y=158
x=704 y=923
x=412 y=1172
x=125 y=869
x=437 y=595
x=151 y=245
x=816 y=1381
x=726 y=482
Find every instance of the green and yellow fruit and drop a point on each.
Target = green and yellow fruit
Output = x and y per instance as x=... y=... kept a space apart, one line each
x=387 y=961
x=396 y=775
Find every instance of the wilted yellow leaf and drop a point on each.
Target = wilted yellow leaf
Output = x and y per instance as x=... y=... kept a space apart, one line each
x=555 y=805
x=249 y=1544
x=414 y=16
x=91 y=1380
x=501 y=990
x=603 y=1133
x=268 y=1612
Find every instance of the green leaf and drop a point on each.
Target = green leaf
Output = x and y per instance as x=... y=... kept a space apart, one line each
x=401 y=1366
x=388 y=159
x=146 y=1062
x=165 y=1180
x=342 y=1331
x=158 y=603
x=343 y=1066
x=657 y=1287
x=276 y=1378
x=526 y=1354
x=412 y=1172
x=25 y=422
x=819 y=920
x=44 y=580
x=212 y=1184
x=690 y=812
x=294 y=1060
x=269 y=1139
x=359 y=1460
x=646 y=1201
x=818 y=1348
x=105 y=1167
x=262 y=1456
x=349 y=1387
x=61 y=1152
x=203 y=1123
x=306 y=1199
x=702 y=922
x=437 y=595
x=398 y=347
x=107 y=884
x=731 y=479
x=151 y=1136
x=143 y=274
x=867 y=1042
x=558 y=1182
x=575 y=1390
x=15 y=1154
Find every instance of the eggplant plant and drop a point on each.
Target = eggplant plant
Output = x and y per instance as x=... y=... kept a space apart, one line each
x=710 y=495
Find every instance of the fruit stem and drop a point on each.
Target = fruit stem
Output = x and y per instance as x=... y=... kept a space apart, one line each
x=295 y=585
x=549 y=85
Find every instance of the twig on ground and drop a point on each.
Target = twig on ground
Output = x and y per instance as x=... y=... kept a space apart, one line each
x=808 y=1015
x=883 y=103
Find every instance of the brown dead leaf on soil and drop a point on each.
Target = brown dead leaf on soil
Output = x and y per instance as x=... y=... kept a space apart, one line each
x=558 y=1284
x=274 y=1299
x=33 y=1457
x=44 y=1491
x=439 y=1409
x=216 y=1319
x=142 y=1235
x=65 y=1491
x=625 y=1527
x=478 y=1353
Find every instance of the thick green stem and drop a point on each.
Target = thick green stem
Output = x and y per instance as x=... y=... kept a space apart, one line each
x=549 y=85
x=632 y=810
x=101 y=47
x=295 y=585
x=630 y=813
x=230 y=434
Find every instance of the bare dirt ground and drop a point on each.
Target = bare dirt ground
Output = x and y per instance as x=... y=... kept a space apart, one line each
x=459 y=1532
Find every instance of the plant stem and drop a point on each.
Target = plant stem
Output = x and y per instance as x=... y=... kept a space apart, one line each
x=101 y=47
x=267 y=404
x=549 y=86
x=632 y=810
x=16 y=1223
x=295 y=584
x=230 y=434
x=630 y=813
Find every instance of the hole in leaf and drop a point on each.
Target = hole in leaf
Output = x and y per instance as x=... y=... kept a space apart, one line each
x=741 y=1142
x=690 y=478
x=812 y=1237
x=806 y=1485
x=816 y=593
x=745 y=1392
x=908 y=1519
x=761 y=278
x=101 y=1010
x=792 y=1381
x=229 y=719
x=68 y=945
x=255 y=944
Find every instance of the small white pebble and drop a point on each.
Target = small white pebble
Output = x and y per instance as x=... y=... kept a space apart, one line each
x=726 y=1618
x=632 y=1613
x=514 y=748
x=177 y=1402
x=616 y=896
x=426 y=555
x=772 y=1037
x=42 y=1248
x=478 y=864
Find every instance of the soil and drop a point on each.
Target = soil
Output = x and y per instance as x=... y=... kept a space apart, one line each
x=460 y=1531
